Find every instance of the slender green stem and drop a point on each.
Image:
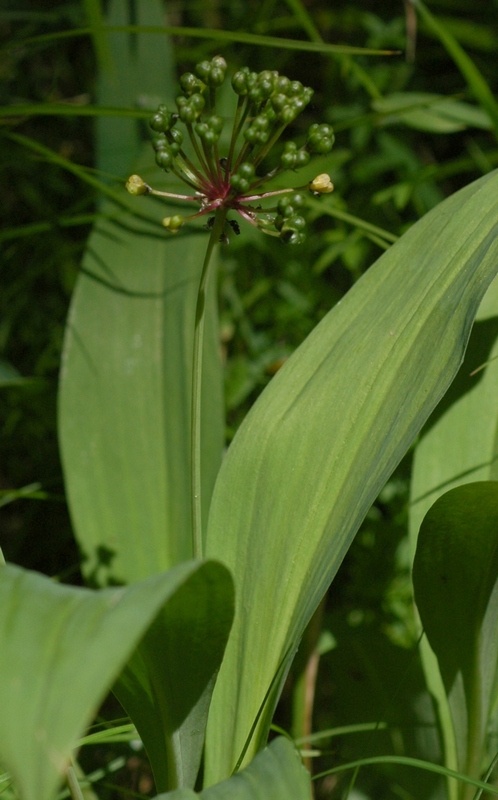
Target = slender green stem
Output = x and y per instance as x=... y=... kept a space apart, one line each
x=212 y=166
x=247 y=148
x=236 y=128
x=188 y=172
x=195 y=446
x=198 y=151
x=475 y=735
x=265 y=149
x=487 y=776
x=73 y=784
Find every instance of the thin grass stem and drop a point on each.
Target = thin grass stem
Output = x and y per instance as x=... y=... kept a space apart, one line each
x=73 y=784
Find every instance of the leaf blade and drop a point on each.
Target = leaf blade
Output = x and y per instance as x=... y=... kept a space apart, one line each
x=276 y=772
x=169 y=706
x=48 y=631
x=124 y=409
x=324 y=437
x=455 y=576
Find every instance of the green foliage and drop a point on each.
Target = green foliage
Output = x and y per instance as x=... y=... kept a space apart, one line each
x=455 y=576
x=142 y=292
x=62 y=648
x=360 y=385
x=166 y=686
x=276 y=772
x=306 y=465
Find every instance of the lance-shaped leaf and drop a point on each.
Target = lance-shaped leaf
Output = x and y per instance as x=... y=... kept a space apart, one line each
x=277 y=773
x=61 y=648
x=455 y=577
x=458 y=444
x=324 y=437
x=141 y=74
x=167 y=685
x=124 y=401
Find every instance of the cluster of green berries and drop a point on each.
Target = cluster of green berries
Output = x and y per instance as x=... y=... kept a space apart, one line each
x=267 y=104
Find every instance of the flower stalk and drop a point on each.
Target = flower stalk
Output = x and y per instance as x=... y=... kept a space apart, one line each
x=195 y=466
x=267 y=104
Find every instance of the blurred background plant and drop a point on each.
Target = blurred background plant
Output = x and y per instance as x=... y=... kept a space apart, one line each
x=411 y=128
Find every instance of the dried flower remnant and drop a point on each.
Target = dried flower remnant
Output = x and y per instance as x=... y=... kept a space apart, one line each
x=267 y=104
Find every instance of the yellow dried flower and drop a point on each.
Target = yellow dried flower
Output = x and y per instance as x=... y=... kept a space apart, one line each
x=136 y=185
x=322 y=184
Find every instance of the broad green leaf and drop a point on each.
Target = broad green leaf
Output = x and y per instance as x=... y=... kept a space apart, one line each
x=142 y=75
x=458 y=445
x=61 y=648
x=455 y=576
x=95 y=18
x=166 y=687
x=430 y=112
x=383 y=682
x=276 y=773
x=124 y=412
x=324 y=437
x=474 y=78
x=124 y=407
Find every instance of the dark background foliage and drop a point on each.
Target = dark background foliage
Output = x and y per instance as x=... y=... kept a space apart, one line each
x=386 y=172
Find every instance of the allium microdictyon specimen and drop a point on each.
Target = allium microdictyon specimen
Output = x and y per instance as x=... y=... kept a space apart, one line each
x=267 y=103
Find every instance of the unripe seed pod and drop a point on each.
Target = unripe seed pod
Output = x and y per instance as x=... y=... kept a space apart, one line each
x=176 y=137
x=164 y=159
x=219 y=62
x=297 y=199
x=289 y=236
x=215 y=123
x=203 y=68
x=296 y=222
x=173 y=223
x=239 y=81
x=302 y=159
x=160 y=142
x=288 y=157
x=163 y=120
x=282 y=84
x=157 y=122
x=295 y=88
x=284 y=206
x=216 y=77
x=211 y=137
x=287 y=114
x=241 y=185
x=279 y=101
x=197 y=102
x=246 y=170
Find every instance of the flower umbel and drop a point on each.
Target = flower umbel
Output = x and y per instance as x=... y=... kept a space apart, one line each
x=267 y=103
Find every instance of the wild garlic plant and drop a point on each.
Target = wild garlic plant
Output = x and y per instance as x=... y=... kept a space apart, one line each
x=234 y=180
x=267 y=104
